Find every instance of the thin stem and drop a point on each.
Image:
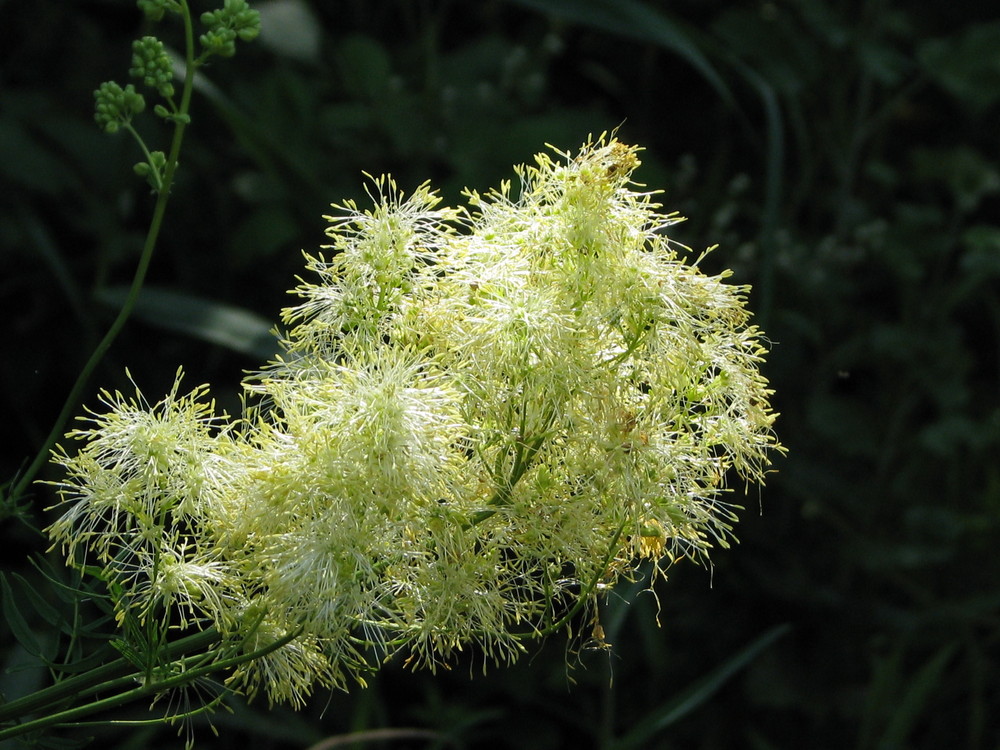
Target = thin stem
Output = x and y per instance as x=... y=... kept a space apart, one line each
x=524 y=453
x=157 y=181
x=156 y=223
x=75 y=686
x=585 y=594
x=182 y=675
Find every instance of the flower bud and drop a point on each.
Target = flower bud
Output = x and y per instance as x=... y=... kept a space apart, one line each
x=115 y=106
x=151 y=65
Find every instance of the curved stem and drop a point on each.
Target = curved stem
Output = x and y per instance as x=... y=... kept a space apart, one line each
x=159 y=210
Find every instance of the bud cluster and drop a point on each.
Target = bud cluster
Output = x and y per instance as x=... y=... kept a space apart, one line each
x=234 y=20
x=115 y=106
x=152 y=67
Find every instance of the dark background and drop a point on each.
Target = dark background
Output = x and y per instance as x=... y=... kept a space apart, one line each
x=844 y=155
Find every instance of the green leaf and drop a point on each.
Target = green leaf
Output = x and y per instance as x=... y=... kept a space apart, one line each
x=910 y=705
x=696 y=694
x=225 y=325
x=967 y=65
x=16 y=622
x=45 y=609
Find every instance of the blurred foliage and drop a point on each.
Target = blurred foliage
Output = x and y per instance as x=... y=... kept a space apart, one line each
x=843 y=154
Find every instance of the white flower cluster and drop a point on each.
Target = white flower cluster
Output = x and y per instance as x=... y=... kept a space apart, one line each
x=483 y=418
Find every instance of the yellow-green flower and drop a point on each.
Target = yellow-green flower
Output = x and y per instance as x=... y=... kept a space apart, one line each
x=482 y=419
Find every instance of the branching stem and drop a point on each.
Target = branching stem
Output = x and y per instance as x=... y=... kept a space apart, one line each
x=20 y=488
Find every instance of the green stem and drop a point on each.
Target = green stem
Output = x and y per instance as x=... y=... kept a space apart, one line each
x=156 y=223
x=86 y=682
x=182 y=674
x=586 y=593
x=524 y=454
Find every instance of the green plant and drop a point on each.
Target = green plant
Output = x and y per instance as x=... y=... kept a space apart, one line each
x=116 y=106
x=536 y=379
x=550 y=393
x=863 y=132
x=481 y=419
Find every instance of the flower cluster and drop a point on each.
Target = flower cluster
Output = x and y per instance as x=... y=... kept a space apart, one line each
x=482 y=418
x=115 y=107
x=234 y=20
x=151 y=65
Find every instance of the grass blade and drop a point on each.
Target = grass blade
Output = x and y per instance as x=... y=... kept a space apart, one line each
x=697 y=693
x=911 y=703
x=225 y=325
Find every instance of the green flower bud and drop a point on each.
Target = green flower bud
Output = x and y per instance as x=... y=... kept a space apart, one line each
x=154 y=9
x=162 y=111
x=152 y=170
x=235 y=19
x=151 y=65
x=221 y=42
x=115 y=106
x=158 y=159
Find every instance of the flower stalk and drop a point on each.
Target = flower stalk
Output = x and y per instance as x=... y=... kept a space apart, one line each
x=112 y=114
